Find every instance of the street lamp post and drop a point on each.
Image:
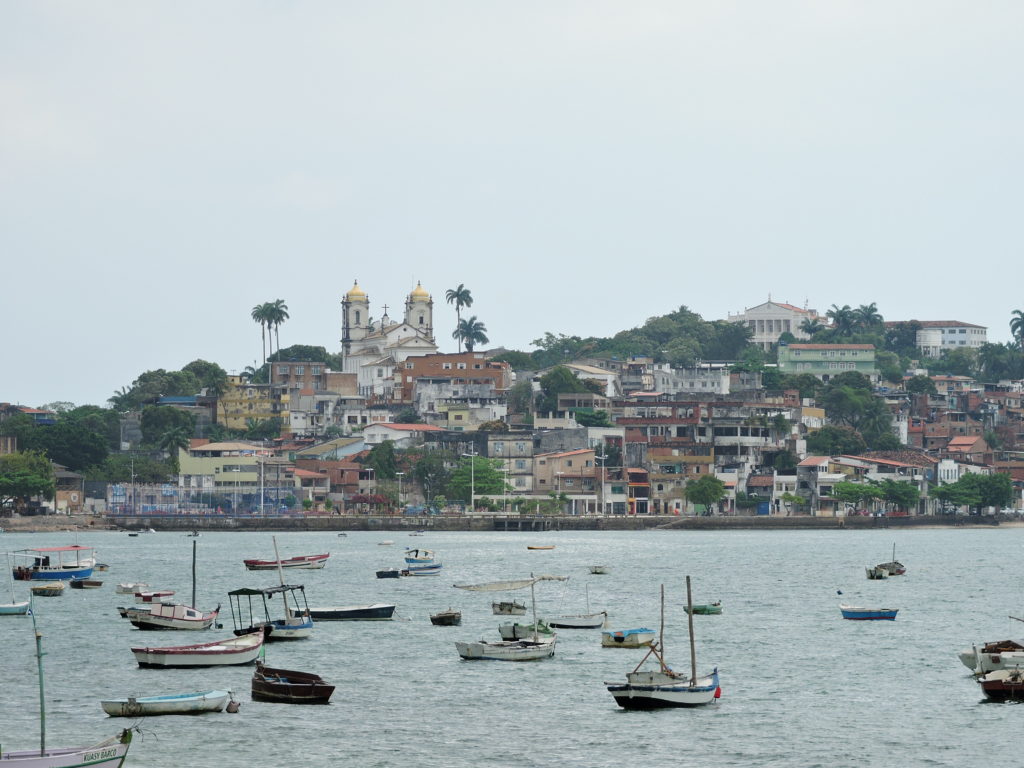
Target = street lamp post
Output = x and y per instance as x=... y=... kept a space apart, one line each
x=234 y=496
x=400 y=487
x=602 y=458
x=472 y=479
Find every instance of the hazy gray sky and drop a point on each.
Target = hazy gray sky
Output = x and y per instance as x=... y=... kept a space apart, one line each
x=580 y=166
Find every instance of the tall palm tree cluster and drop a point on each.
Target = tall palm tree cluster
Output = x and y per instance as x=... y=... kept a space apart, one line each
x=269 y=316
x=469 y=331
x=846 y=321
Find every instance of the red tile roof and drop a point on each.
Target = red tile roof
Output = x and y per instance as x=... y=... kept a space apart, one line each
x=814 y=461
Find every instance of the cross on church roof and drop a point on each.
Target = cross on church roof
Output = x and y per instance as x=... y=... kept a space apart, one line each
x=385 y=309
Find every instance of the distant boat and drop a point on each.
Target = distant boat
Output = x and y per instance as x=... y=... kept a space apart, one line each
x=389 y=573
x=894 y=567
x=508 y=608
x=877 y=572
x=447 y=618
x=662 y=687
x=86 y=584
x=705 y=609
x=295 y=624
x=131 y=587
x=586 y=620
x=524 y=631
x=627 y=638
x=300 y=561
x=385 y=543
x=194 y=535
x=375 y=612
x=234 y=650
x=858 y=613
x=543 y=546
x=101 y=567
x=343 y=534
x=600 y=569
x=286 y=686
x=170 y=704
x=48 y=589
x=15 y=607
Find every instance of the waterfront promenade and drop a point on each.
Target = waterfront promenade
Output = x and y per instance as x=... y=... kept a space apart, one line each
x=510 y=523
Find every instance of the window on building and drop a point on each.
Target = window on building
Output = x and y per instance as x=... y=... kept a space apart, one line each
x=315 y=370
x=499 y=447
x=300 y=370
x=283 y=369
x=380 y=373
x=446 y=366
x=458 y=417
x=408 y=366
x=461 y=366
x=520 y=464
x=357 y=317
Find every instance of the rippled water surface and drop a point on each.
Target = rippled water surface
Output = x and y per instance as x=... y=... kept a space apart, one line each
x=801 y=687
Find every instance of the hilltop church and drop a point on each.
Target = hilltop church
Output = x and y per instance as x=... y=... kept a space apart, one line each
x=373 y=348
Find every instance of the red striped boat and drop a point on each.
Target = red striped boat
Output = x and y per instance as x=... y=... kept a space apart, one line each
x=301 y=561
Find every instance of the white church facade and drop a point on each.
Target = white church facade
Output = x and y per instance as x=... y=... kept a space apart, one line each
x=373 y=349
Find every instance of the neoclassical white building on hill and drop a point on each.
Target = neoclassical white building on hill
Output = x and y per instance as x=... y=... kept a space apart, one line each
x=770 y=320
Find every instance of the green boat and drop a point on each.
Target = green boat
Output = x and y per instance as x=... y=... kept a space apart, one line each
x=707 y=609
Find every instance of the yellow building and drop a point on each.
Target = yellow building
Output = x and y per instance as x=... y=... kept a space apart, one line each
x=242 y=400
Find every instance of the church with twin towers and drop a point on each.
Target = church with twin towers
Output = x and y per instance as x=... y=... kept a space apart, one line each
x=384 y=341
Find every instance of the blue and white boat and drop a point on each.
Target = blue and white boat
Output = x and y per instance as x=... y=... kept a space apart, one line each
x=296 y=624
x=628 y=638
x=430 y=569
x=172 y=704
x=858 y=613
x=55 y=563
x=421 y=562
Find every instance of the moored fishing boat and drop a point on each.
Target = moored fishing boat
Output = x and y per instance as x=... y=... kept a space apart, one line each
x=86 y=583
x=999 y=654
x=375 y=612
x=388 y=573
x=534 y=648
x=662 y=687
x=447 y=618
x=286 y=686
x=524 y=631
x=1003 y=684
x=859 y=613
x=300 y=561
x=153 y=596
x=234 y=650
x=587 y=620
x=48 y=589
x=600 y=569
x=170 y=616
x=508 y=608
x=170 y=704
x=295 y=624
x=705 y=609
x=15 y=607
x=627 y=638
x=55 y=563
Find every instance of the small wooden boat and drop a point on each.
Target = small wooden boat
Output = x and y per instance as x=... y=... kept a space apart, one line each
x=600 y=569
x=877 y=572
x=375 y=612
x=627 y=638
x=234 y=650
x=300 y=561
x=385 y=543
x=894 y=567
x=287 y=686
x=543 y=546
x=1003 y=684
x=131 y=587
x=579 y=621
x=194 y=535
x=170 y=616
x=508 y=650
x=133 y=534
x=389 y=573
x=171 y=704
x=858 y=613
x=508 y=608
x=705 y=609
x=429 y=569
x=524 y=631
x=154 y=596
x=48 y=589
x=447 y=618
x=86 y=584
x=101 y=567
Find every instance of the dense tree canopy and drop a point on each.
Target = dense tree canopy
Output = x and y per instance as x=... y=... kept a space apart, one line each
x=24 y=474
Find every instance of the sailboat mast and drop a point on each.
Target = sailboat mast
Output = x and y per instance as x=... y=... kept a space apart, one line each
x=533 y=602
x=693 y=648
x=42 y=697
x=193 y=573
x=280 y=575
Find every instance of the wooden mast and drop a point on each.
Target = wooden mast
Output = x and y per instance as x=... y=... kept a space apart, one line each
x=194 y=573
x=693 y=648
x=280 y=576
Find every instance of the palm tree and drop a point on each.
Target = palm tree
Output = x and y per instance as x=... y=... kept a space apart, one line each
x=173 y=440
x=842 y=319
x=460 y=297
x=277 y=313
x=249 y=373
x=261 y=314
x=470 y=332
x=811 y=326
x=1017 y=326
x=867 y=316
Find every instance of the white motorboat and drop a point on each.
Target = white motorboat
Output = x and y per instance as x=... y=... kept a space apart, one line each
x=171 y=616
x=628 y=638
x=508 y=650
x=999 y=654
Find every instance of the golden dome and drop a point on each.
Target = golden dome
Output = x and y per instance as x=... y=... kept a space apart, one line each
x=356 y=294
x=419 y=292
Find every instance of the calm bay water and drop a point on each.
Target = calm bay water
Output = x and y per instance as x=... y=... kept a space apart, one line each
x=801 y=687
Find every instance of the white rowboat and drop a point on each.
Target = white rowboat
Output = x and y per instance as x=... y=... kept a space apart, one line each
x=173 y=704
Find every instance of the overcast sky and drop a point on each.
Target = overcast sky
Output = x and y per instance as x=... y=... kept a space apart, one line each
x=579 y=166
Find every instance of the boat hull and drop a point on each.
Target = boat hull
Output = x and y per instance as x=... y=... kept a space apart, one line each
x=523 y=631
x=285 y=686
x=655 y=690
x=854 y=613
x=177 y=704
x=508 y=608
x=375 y=612
x=709 y=609
x=309 y=562
x=1003 y=684
x=446 y=619
x=583 y=621
x=628 y=638
x=14 y=609
x=108 y=754
x=170 y=616
x=237 y=650
x=514 y=650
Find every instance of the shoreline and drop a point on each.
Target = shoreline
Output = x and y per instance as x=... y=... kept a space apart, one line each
x=481 y=523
